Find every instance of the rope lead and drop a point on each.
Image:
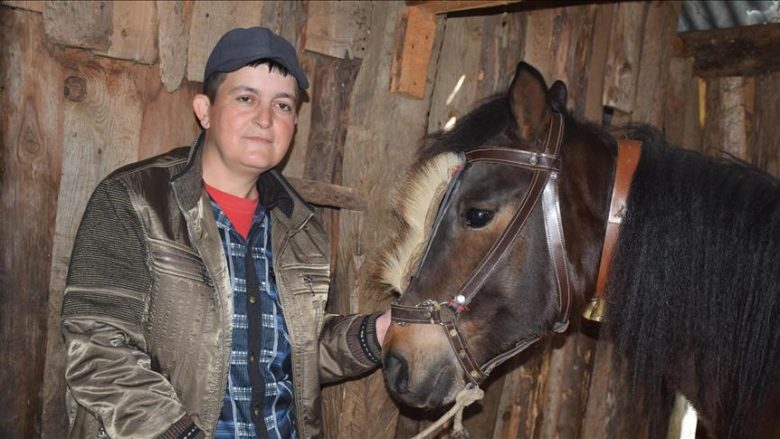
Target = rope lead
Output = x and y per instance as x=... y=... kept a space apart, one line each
x=469 y=395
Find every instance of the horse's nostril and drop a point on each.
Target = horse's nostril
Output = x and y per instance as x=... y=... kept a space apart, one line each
x=396 y=373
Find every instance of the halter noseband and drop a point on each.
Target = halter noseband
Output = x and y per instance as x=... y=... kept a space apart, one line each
x=545 y=167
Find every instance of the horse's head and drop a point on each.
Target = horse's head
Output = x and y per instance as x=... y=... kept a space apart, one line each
x=495 y=275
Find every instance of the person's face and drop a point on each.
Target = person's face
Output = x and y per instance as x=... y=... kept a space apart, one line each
x=250 y=124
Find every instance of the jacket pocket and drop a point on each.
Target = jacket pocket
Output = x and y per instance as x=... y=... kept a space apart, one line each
x=309 y=285
x=177 y=260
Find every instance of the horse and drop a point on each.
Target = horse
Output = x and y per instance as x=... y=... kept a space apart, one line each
x=517 y=212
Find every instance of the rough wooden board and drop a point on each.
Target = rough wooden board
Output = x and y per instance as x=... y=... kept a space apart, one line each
x=285 y=18
x=539 y=40
x=326 y=194
x=479 y=419
x=333 y=79
x=134 y=35
x=503 y=44
x=681 y=121
x=582 y=63
x=661 y=23
x=737 y=51
x=765 y=140
x=172 y=39
x=87 y=25
x=724 y=129
x=31 y=147
x=337 y=29
x=458 y=71
x=597 y=63
x=210 y=20
x=559 y=44
x=601 y=407
x=101 y=132
x=445 y=6
x=30 y=5
x=168 y=121
x=565 y=393
x=624 y=56
x=412 y=53
x=295 y=161
x=519 y=411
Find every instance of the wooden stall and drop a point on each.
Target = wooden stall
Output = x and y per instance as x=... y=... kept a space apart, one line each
x=88 y=86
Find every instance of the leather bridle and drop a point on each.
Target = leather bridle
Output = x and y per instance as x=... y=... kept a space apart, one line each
x=545 y=168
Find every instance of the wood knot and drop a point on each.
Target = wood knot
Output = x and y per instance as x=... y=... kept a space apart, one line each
x=75 y=88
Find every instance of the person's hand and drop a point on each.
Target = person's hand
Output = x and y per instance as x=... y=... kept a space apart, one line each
x=382 y=324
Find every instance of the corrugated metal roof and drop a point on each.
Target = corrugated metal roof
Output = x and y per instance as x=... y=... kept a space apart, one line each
x=703 y=15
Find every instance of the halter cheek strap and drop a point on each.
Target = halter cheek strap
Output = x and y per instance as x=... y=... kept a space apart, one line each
x=545 y=168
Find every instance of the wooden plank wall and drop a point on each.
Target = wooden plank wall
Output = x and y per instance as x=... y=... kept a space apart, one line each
x=89 y=86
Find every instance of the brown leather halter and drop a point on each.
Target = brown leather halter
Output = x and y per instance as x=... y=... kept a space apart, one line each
x=545 y=167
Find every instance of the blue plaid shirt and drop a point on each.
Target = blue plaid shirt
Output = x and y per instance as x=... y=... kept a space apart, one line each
x=272 y=404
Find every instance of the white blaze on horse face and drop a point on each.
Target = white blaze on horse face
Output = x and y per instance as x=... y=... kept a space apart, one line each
x=416 y=202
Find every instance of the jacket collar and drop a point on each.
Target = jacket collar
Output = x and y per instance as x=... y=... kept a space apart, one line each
x=275 y=191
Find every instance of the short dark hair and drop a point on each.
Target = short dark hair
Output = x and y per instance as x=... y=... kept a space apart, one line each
x=212 y=83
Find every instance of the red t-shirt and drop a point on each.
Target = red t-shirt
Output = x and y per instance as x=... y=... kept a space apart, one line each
x=238 y=210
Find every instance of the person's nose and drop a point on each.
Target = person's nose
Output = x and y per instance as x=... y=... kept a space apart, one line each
x=264 y=116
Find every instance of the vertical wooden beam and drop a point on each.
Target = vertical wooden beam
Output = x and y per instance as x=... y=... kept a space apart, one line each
x=102 y=119
x=652 y=78
x=724 y=129
x=210 y=20
x=337 y=29
x=765 y=138
x=624 y=57
x=172 y=38
x=167 y=121
x=332 y=84
x=30 y=158
x=411 y=55
x=597 y=63
x=681 y=121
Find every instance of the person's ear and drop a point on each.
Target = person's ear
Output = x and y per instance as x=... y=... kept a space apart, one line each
x=201 y=106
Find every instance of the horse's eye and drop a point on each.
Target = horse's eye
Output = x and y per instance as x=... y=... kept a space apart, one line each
x=478 y=218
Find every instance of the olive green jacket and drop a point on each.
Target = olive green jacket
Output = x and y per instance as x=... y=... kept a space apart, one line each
x=148 y=310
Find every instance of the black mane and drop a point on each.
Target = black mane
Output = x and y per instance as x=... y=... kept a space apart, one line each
x=695 y=279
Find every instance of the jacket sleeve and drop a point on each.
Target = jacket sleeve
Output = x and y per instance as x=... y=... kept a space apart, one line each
x=348 y=347
x=107 y=368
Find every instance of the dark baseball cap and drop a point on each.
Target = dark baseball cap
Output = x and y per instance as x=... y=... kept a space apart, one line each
x=242 y=46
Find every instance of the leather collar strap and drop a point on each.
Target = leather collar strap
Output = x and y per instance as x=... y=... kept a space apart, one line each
x=544 y=186
x=629 y=152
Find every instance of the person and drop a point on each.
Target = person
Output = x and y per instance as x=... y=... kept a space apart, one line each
x=196 y=291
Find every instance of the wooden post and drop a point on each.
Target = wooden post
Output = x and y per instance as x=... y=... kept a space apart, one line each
x=31 y=92
x=765 y=137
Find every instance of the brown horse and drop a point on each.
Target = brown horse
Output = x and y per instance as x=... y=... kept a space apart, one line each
x=511 y=251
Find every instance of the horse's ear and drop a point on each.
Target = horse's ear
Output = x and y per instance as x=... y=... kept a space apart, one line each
x=558 y=96
x=528 y=101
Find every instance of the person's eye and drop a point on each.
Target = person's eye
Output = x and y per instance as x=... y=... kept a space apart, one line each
x=244 y=99
x=478 y=218
x=284 y=106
